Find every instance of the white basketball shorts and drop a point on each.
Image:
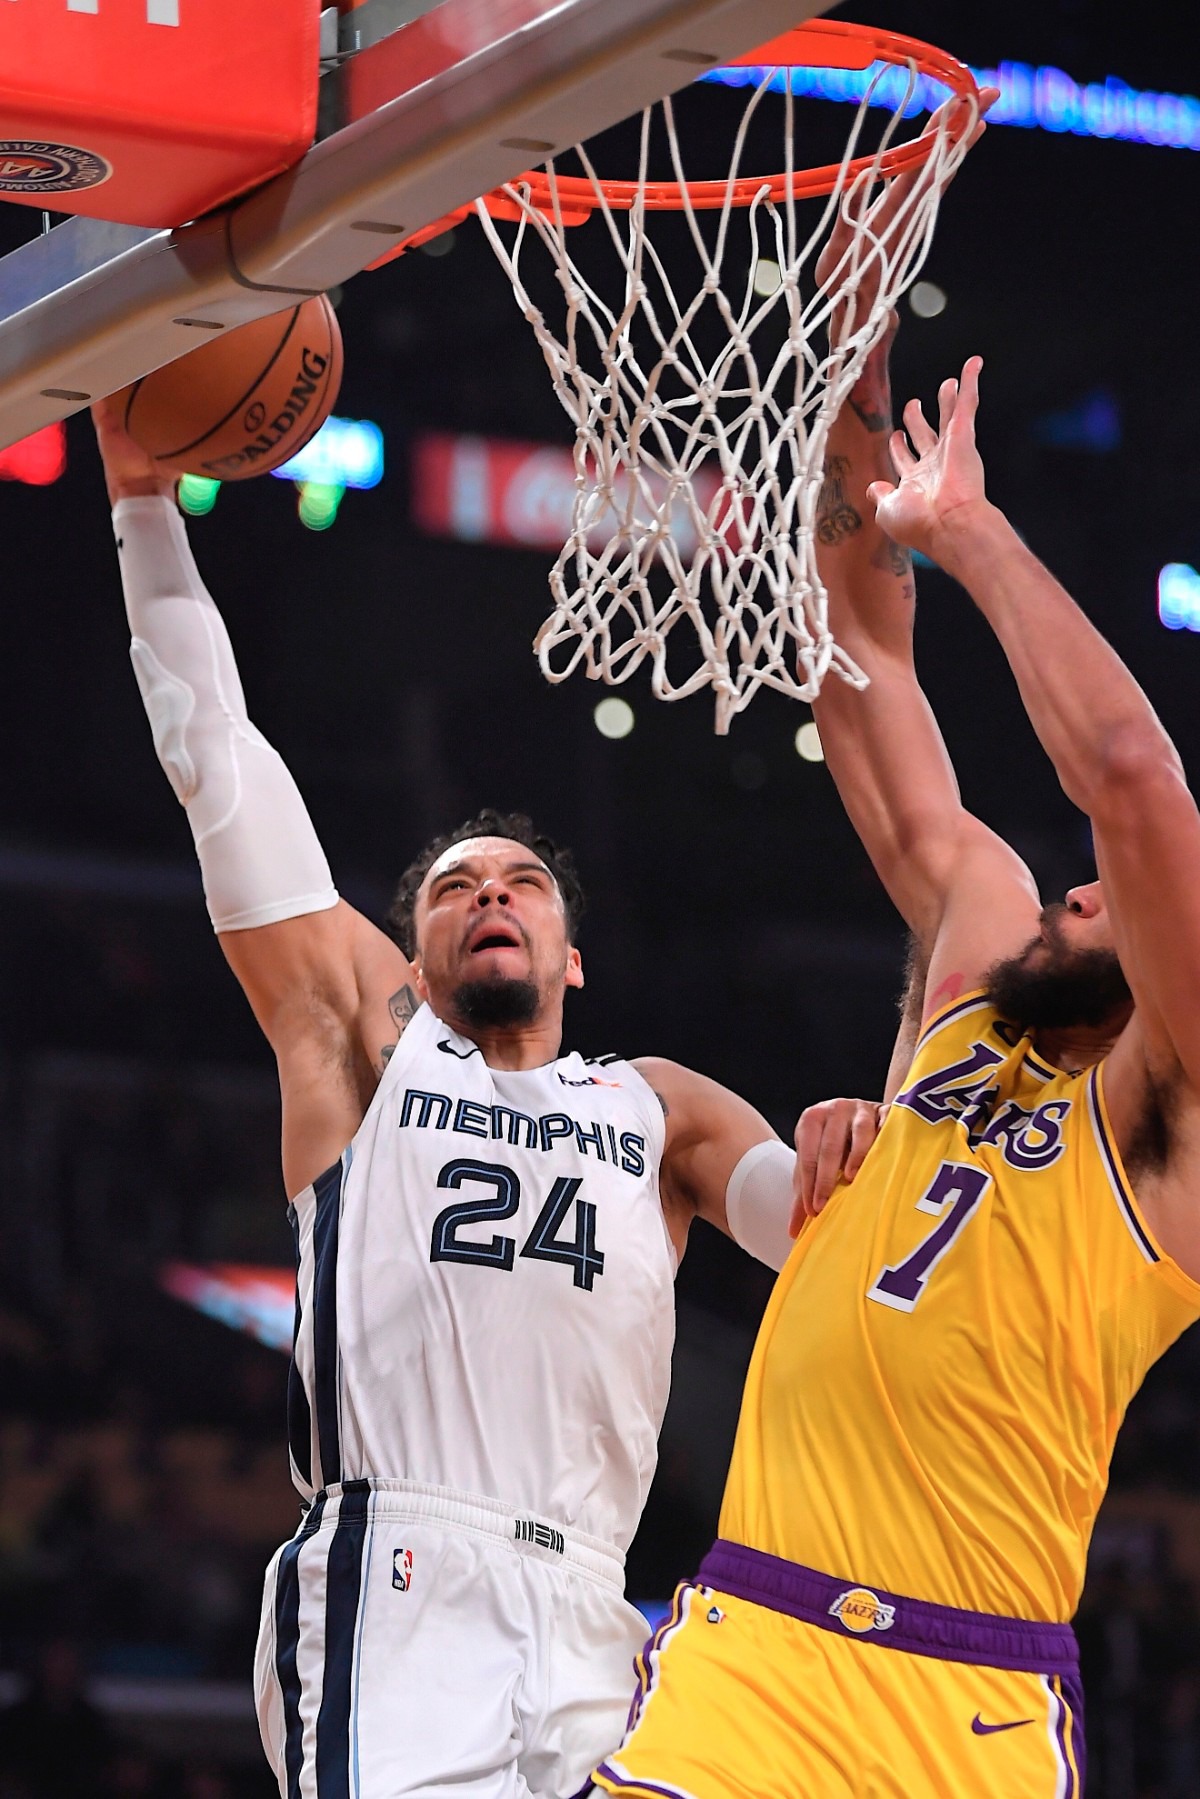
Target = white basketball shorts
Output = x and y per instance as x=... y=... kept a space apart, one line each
x=417 y=1642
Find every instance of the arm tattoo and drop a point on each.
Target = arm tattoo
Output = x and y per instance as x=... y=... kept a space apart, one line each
x=662 y=1102
x=875 y=414
x=872 y=395
x=836 y=517
x=403 y=1006
x=893 y=558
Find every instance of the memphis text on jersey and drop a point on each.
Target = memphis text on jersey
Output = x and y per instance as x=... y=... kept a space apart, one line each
x=427 y=1111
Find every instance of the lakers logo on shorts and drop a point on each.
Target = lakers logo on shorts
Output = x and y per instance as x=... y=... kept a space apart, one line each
x=861 y=1610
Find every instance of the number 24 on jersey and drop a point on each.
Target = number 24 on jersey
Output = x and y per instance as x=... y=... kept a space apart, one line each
x=501 y=1200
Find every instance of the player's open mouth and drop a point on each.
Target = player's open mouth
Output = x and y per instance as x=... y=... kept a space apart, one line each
x=495 y=940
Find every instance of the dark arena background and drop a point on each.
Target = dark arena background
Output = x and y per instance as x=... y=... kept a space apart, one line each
x=383 y=634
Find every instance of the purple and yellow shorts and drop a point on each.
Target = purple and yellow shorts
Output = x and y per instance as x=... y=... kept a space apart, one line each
x=770 y=1681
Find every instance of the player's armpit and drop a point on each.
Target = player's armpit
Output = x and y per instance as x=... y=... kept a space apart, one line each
x=332 y=995
x=320 y=972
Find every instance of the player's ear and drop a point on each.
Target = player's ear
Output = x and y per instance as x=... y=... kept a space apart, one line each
x=419 y=978
x=574 y=973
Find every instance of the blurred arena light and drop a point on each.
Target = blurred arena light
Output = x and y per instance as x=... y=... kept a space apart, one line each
x=344 y=453
x=38 y=460
x=927 y=299
x=318 y=503
x=613 y=717
x=198 y=494
x=767 y=276
x=1179 y=596
x=1043 y=98
x=441 y=245
x=808 y=743
x=1092 y=423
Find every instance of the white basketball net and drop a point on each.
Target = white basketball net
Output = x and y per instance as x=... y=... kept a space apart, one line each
x=697 y=477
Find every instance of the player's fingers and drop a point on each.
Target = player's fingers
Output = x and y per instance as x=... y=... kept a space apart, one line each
x=879 y=491
x=988 y=97
x=947 y=401
x=835 y=1144
x=901 y=454
x=864 y=1129
x=923 y=435
x=104 y=414
x=895 y=196
x=808 y=1143
x=968 y=392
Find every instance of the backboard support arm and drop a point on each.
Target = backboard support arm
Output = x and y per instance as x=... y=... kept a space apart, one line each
x=422 y=120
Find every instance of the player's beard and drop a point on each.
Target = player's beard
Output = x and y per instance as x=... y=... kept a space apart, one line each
x=497 y=1004
x=1050 y=986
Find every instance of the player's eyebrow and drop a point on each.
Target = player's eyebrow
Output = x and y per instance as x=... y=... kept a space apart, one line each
x=539 y=868
x=470 y=868
x=465 y=867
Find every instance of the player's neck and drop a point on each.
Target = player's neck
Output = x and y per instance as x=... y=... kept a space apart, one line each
x=514 y=1047
x=1076 y=1047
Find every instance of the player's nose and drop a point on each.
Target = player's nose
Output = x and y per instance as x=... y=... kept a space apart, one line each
x=1085 y=901
x=492 y=893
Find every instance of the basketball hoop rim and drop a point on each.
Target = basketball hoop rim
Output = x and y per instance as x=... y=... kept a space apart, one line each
x=820 y=43
x=824 y=43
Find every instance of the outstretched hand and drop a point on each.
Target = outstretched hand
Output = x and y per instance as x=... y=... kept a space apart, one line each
x=129 y=471
x=945 y=475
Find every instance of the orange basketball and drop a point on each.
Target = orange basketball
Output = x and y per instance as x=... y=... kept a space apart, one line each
x=245 y=402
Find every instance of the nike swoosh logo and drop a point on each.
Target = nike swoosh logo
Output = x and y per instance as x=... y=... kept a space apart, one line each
x=448 y=1049
x=986 y=1730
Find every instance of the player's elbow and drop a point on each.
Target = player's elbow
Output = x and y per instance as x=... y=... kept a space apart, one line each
x=1136 y=762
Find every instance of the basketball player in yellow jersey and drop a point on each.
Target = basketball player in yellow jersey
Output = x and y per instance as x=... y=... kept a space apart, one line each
x=945 y=1361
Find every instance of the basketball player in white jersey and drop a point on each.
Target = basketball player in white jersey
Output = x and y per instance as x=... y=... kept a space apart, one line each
x=487 y=1233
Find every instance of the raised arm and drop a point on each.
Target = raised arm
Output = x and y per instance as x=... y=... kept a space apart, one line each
x=329 y=990
x=1109 y=750
x=965 y=895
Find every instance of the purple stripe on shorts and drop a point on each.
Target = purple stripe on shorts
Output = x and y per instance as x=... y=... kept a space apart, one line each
x=1060 y=1744
x=1071 y=1707
x=889 y=1619
x=641 y=1786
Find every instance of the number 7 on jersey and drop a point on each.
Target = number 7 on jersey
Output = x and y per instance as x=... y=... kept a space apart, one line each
x=958 y=1185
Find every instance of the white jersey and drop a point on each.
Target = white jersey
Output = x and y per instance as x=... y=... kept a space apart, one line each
x=485 y=1295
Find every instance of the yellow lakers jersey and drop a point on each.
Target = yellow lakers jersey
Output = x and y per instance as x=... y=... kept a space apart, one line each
x=950 y=1349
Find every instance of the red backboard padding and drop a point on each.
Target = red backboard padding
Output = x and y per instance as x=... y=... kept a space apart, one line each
x=151 y=112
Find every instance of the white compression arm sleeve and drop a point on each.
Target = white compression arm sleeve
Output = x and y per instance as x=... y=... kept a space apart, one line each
x=759 y=1200
x=259 y=854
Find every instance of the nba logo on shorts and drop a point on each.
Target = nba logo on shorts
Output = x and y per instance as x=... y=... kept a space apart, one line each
x=402 y=1569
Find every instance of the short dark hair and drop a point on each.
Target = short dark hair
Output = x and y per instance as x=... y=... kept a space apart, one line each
x=488 y=823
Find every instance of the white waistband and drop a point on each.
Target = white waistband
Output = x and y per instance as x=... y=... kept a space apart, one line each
x=526 y=1532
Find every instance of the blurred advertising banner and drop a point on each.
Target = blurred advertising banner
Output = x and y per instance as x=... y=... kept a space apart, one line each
x=38 y=460
x=259 y=1301
x=493 y=490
